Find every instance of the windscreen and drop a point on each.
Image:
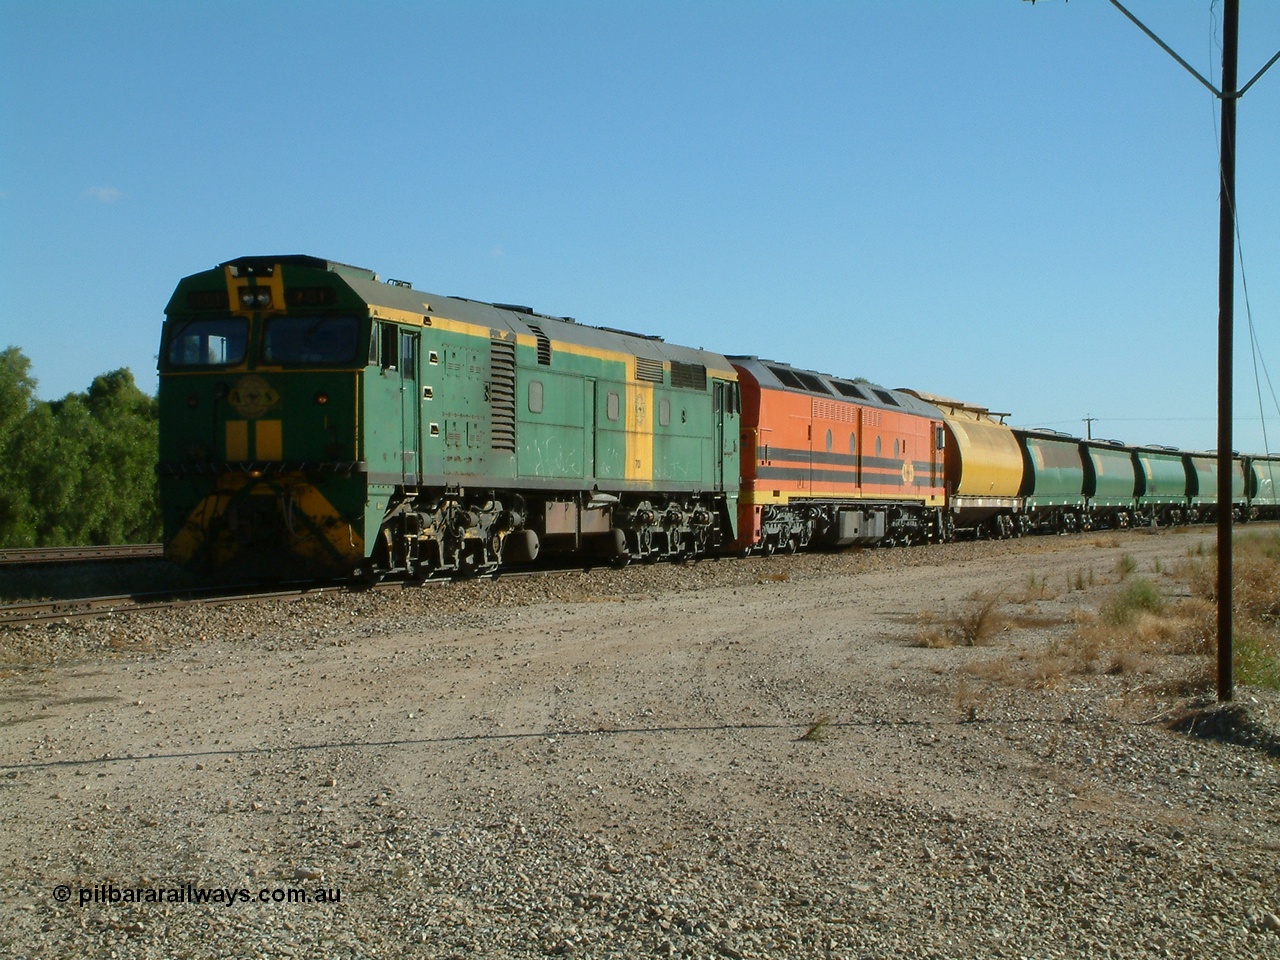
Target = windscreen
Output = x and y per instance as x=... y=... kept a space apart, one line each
x=208 y=343
x=307 y=340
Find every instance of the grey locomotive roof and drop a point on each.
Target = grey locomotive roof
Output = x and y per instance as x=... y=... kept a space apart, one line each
x=784 y=376
x=509 y=317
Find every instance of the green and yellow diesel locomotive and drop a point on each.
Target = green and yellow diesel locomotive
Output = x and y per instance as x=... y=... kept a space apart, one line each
x=316 y=421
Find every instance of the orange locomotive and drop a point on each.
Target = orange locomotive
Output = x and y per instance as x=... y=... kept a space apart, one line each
x=832 y=462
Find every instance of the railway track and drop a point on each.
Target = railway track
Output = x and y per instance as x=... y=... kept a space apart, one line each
x=85 y=608
x=43 y=555
x=54 y=611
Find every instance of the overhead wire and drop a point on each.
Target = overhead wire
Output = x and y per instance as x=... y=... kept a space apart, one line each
x=1215 y=46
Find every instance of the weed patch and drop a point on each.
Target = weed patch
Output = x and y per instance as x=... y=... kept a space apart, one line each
x=1255 y=594
x=817 y=730
x=974 y=624
x=1139 y=596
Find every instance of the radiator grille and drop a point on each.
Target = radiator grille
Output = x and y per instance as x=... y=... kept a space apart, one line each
x=840 y=412
x=502 y=395
x=648 y=369
x=544 y=345
x=690 y=376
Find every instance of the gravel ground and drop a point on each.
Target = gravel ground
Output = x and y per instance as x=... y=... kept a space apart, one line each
x=726 y=759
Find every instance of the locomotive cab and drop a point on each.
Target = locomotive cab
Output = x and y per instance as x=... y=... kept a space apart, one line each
x=260 y=368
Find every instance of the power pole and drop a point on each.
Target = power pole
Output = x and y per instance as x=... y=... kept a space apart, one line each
x=1226 y=314
x=1088 y=427
x=1228 y=95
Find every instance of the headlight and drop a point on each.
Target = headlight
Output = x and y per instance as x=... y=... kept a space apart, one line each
x=255 y=298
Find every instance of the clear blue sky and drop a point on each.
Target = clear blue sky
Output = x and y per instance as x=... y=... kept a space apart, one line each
x=1014 y=205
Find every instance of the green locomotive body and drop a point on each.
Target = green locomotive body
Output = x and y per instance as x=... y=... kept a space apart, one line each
x=316 y=421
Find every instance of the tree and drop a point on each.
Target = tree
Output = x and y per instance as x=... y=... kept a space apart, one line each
x=123 y=460
x=17 y=400
x=17 y=390
x=80 y=470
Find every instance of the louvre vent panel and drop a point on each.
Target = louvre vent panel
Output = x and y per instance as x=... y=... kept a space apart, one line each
x=648 y=369
x=544 y=345
x=841 y=412
x=690 y=376
x=502 y=395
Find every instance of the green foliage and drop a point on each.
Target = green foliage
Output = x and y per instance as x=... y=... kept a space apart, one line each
x=1255 y=583
x=17 y=390
x=80 y=470
x=1138 y=595
x=1256 y=657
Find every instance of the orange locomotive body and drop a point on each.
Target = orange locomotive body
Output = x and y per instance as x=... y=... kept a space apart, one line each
x=833 y=462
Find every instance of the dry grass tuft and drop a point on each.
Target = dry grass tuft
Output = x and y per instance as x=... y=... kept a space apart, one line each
x=1029 y=670
x=1126 y=565
x=1138 y=631
x=1036 y=588
x=817 y=730
x=1138 y=596
x=1080 y=580
x=1255 y=594
x=971 y=698
x=974 y=624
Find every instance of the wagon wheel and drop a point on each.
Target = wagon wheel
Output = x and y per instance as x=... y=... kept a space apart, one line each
x=644 y=544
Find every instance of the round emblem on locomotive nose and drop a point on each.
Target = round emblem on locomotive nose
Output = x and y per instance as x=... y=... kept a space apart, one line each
x=252 y=397
x=908 y=472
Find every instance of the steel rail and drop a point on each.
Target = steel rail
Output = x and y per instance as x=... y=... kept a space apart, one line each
x=84 y=608
x=54 y=611
x=37 y=555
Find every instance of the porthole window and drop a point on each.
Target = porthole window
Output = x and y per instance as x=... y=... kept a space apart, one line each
x=877 y=446
x=664 y=413
x=535 y=396
x=613 y=405
x=853 y=444
x=895 y=450
x=828 y=441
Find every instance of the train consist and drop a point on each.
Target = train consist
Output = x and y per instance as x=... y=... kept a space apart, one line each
x=318 y=422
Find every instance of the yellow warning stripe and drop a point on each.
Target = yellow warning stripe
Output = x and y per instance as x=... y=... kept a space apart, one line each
x=640 y=416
